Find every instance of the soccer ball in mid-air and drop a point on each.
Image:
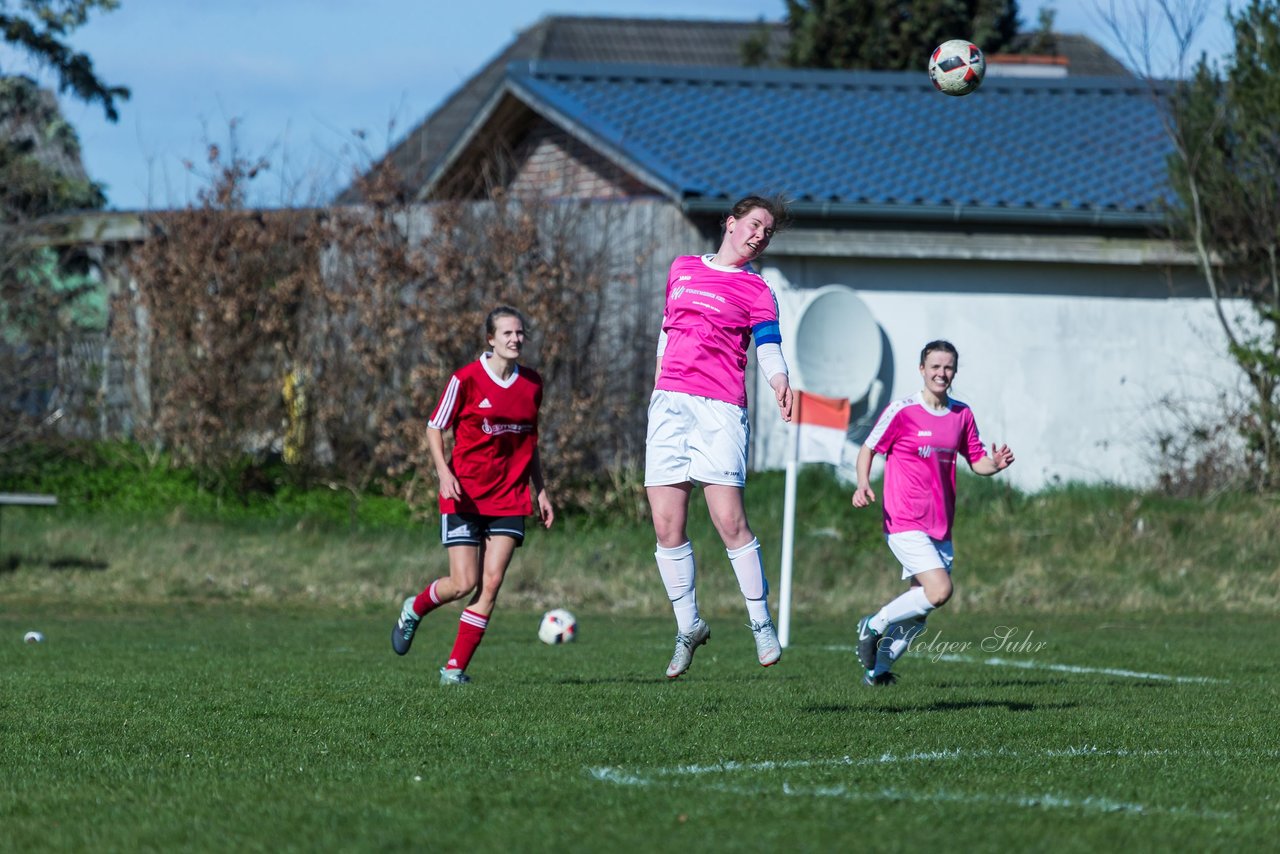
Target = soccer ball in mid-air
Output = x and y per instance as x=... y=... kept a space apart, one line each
x=956 y=67
x=558 y=626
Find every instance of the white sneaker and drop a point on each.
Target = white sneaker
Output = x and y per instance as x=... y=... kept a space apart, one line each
x=768 y=650
x=453 y=676
x=685 y=645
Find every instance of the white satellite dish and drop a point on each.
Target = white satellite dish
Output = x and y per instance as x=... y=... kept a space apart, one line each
x=833 y=344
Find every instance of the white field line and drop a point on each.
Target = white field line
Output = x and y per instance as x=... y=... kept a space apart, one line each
x=1027 y=664
x=1072 y=668
x=1045 y=801
x=611 y=775
x=663 y=776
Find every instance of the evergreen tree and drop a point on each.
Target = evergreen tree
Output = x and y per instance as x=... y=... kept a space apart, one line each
x=892 y=35
x=43 y=298
x=40 y=28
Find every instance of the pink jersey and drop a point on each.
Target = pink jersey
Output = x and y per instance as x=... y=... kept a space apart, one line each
x=711 y=314
x=920 y=447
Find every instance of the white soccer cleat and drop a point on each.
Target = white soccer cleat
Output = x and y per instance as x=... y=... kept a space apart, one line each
x=685 y=645
x=768 y=650
x=453 y=676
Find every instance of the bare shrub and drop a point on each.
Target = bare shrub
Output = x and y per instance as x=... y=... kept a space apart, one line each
x=327 y=336
x=212 y=322
x=405 y=292
x=1199 y=451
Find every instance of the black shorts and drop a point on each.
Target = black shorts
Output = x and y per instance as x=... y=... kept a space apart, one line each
x=472 y=529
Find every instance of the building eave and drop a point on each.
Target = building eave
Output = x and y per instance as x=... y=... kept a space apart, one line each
x=914 y=245
x=954 y=214
x=529 y=99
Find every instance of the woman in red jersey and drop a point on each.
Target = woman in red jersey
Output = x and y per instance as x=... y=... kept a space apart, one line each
x=492 y=405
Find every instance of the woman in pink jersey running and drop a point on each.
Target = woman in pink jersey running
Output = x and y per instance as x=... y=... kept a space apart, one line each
x=920 y=436
x=698 y=427
x=492 y=405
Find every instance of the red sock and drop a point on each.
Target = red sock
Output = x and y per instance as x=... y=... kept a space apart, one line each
x=427 y=600
x=470 y=632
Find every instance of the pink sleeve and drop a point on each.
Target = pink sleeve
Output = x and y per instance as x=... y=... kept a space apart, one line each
x=888 y=430
x=765 y=308
x=973 y=445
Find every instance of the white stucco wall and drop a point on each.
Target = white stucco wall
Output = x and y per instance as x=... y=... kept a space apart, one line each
x=1067 y=364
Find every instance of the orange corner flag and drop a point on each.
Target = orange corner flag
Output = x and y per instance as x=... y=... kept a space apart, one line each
x=822 y=423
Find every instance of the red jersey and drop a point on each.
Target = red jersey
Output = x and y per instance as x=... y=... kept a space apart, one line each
x=495 y=436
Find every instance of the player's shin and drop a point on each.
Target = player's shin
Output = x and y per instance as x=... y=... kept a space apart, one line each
x=678 y=570
x=749 y=568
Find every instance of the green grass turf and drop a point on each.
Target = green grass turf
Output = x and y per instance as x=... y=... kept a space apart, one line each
x=229 y=728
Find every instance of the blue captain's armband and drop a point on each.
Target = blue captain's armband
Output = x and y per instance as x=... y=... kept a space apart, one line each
x=767 y=333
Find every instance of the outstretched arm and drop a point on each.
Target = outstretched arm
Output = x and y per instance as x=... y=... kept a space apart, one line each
x=998 y=460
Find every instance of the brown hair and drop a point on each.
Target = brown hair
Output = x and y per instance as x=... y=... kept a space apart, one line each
x=776 y=206
x=491 y=322
x=944 y=346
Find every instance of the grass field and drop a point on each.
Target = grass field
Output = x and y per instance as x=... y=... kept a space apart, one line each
x=218 y=677
x=234 y=727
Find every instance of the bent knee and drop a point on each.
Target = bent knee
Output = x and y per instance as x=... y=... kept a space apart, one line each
x=939 y=596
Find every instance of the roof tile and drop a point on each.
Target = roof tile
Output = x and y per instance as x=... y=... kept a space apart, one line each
x=886 y=138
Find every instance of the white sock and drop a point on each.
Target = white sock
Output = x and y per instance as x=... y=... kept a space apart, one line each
x=686 y=608
x=678 y=571
x=758 y=610
x=913 y=603
x=749 y=568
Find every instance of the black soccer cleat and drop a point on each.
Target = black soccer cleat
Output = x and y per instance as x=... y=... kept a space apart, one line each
x=868 y=643
x=402 y=634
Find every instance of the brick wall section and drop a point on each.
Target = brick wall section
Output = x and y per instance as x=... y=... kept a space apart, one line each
x=552 y=164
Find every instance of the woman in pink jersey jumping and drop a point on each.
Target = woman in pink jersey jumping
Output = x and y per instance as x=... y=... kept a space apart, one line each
x=492 y=405
x=698 y=429
x=921 y=438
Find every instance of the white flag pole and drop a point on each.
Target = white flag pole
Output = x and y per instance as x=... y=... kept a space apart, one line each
x=788 y=536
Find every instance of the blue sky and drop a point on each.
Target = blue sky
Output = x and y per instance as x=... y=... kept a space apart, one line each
x=318 y=87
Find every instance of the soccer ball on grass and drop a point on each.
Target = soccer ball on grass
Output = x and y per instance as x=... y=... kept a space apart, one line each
x=956 y=67
x=558 y=626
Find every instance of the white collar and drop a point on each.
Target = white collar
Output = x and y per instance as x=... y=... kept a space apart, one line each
x=509 y=381
x=709 y=260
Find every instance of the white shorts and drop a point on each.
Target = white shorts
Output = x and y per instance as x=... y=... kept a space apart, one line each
x=693 y=438
x=919 y=552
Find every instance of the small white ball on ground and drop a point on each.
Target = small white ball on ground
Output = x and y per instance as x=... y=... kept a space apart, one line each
x=33 y=637
x=558 y=626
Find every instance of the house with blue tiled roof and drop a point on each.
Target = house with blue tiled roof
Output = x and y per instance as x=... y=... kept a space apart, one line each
x=682 y=42
x=863 y=145
x=1023 y=222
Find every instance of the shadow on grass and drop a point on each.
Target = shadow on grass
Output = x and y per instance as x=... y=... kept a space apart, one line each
x=940 y=706
x=12 y=562
x=613 y=680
